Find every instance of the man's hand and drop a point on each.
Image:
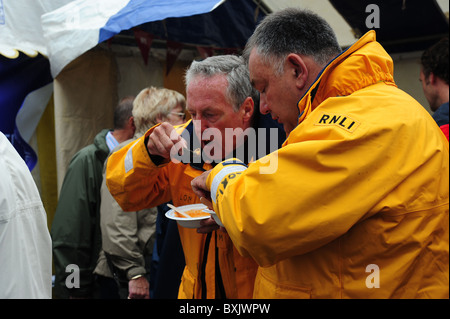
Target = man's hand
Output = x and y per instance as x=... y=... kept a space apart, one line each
x=199 y=187
x=138 y=288
x=207 y=226
x=164 y=141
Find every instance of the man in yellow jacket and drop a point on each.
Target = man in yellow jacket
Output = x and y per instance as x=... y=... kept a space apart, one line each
x=220 y=98
x=358 y=206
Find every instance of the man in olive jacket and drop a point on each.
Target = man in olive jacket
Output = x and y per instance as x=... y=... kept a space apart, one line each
x=75 y=228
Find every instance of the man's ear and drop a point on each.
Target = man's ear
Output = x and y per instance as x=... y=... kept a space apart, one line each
x=247 y=109
x=296 y=66
x=431 y=79
x=131 y=123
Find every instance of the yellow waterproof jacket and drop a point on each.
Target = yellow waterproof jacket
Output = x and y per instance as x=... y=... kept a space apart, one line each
x=136 y=182
x=358 y=206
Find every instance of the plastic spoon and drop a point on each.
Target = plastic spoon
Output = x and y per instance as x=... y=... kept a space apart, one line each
x=178 y=211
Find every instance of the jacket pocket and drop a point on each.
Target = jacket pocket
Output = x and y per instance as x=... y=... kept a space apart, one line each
x=266 y=288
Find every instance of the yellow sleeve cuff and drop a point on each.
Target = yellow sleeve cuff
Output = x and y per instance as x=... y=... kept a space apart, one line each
x=222 y=174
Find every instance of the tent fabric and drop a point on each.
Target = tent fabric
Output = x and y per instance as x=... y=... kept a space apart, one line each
x=33 y=107
x=74 y=29
x=20 y=26
x=80 y=25
x=85 y=96
x=45 y=172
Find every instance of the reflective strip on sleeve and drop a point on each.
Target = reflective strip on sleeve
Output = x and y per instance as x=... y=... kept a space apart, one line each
x=224 y=172
x=129 y=159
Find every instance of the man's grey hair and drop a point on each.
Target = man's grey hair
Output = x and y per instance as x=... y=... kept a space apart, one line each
x=123 y=112
x=236 y=72
x=293 y=30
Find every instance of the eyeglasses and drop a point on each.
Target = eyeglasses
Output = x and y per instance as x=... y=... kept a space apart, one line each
x=179 y=114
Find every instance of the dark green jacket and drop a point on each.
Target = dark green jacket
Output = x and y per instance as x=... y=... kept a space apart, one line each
x=75 y=229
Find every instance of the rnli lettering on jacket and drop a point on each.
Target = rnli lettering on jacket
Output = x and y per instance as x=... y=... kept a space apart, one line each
x=340 y=120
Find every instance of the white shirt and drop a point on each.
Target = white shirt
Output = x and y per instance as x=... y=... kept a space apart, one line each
x=111 y=141
x=25 y=242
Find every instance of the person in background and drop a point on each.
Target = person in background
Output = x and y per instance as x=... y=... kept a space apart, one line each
x=359 y=204
x=149 y=172
x=25 y=243
x=76 y=229
x=434 y=78
x=128 y=237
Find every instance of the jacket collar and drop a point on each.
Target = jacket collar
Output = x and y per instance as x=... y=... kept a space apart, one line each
x=102 y=149
x=361 y=65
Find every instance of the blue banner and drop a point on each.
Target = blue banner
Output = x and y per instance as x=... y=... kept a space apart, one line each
x=137 y=12
x=18 y=78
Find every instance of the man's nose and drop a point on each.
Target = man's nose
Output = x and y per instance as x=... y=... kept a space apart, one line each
x=263 y=106
x=199 y=127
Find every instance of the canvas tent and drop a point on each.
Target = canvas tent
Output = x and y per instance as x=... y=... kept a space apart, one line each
x=81 y=56
x=70 y=106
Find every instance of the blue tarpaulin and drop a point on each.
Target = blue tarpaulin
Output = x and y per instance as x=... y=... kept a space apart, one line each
x=18 y=78
x=227 y=26
x=138 y=12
